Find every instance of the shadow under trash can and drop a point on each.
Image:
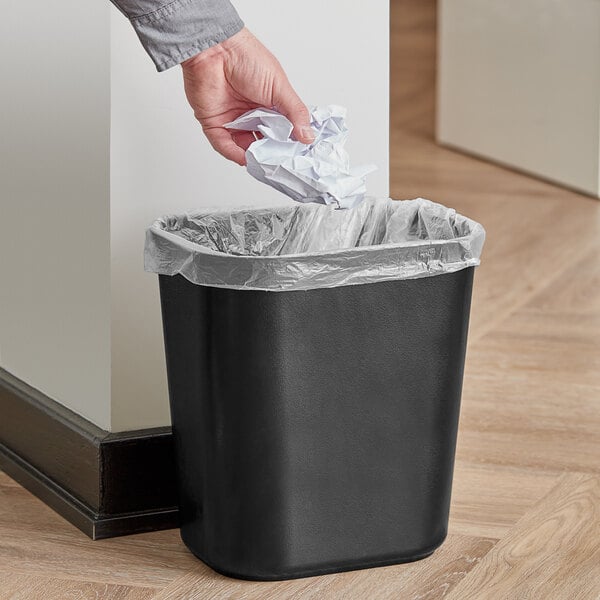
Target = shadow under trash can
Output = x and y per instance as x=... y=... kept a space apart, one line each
x=315 y=361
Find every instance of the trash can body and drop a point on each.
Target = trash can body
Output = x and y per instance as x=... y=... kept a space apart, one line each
x=315 y=430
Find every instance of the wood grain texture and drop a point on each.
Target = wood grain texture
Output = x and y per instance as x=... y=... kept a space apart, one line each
x=413 y=66
x=34 y=540
x=426 y=579
x=488 y=499
x=532 y=385
x=17 y=587
x=534 y=230
x=552 y=552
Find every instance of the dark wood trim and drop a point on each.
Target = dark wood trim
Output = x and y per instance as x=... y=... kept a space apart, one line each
x=106 y=484
x=56 y=497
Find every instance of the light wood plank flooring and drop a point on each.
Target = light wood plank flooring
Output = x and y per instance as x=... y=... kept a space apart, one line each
x=525 y=519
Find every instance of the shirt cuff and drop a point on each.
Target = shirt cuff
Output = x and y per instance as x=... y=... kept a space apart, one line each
x=178 y=30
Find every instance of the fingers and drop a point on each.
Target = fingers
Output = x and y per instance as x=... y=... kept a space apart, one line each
x=244 y=138
x=288 y=103
x=221 y=140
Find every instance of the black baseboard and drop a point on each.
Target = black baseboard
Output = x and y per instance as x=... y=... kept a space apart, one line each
x=106 y=484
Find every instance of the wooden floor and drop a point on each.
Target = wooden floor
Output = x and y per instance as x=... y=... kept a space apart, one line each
x=525 y=519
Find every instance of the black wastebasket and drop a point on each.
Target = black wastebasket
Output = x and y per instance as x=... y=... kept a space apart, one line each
x=315 y=422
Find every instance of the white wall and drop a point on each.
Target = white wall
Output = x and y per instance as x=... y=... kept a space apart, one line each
x=54 y=200
x=334 y=52
x=79 y=319
x=519 y=82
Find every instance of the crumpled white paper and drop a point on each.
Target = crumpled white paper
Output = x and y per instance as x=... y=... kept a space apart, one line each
x=319 y=172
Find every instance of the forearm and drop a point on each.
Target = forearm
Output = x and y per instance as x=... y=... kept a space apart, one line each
x=173 y=31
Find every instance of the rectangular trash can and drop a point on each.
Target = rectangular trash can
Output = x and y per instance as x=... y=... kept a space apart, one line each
x=315 y=392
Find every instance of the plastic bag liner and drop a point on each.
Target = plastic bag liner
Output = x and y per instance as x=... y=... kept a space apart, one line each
x=308 y=246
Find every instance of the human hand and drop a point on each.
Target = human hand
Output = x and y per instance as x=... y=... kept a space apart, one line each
x=233 y=77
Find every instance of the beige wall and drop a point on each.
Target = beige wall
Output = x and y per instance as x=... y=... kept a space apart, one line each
x=519 y=82
x=79 y=319
x=54 y=201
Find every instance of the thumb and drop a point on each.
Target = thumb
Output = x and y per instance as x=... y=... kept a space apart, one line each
x=288 y=103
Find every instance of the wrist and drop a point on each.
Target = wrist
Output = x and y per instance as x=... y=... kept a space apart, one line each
x=218 y=51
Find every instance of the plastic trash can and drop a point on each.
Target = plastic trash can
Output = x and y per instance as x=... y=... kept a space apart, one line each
x=315 y=361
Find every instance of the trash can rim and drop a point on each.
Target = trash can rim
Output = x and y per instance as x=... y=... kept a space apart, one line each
x=336 y=264
x=197 y=248
x=159 y=227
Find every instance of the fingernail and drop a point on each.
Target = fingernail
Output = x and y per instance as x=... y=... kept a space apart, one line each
x=308 y=133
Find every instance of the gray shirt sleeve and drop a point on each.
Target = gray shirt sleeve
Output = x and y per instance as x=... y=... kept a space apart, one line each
x=173 y=31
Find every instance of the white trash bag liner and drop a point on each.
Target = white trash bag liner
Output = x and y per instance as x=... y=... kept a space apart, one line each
x=309 y=246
